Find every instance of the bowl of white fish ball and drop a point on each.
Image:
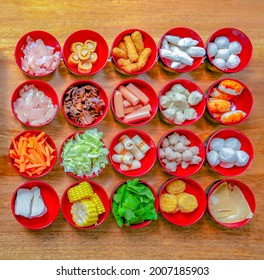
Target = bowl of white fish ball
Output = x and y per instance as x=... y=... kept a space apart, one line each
x=229 y=152
x=228 y=50
x=231 y=203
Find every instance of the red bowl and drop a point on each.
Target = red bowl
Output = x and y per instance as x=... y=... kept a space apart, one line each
x=47 y=38
x=150 y=93
x=41 y=86
x=102 y=95
x=248 y=194
x=148 y=43
x=245 y=146
x=51 y=144
x=101 y=50
x=72 y=136
x=146 y=163
x=51 y=200
x=190 y=86
x=147 y=222
x=182 y=32
x=186 y=219
x=232 y=34
x=243 y=102
x=66 y=204
x=195 y=141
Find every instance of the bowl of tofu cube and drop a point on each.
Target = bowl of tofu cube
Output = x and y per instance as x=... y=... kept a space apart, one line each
x=228 y=50
x=132 y=152
x=134 y=102
x=181 y=102
x=181 y=152
x=181 y=49
x=35 y=204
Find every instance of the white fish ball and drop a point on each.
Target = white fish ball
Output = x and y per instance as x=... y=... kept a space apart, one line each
x=219 y=62
x=223 y=53
x=212 y=49
x=226 y=164
x=222 y=42
x=227 y=155
x=233 y=61
x=242 y=158
x=235 y=47
x=216 y=144
x=233 y=143
x=213 y=158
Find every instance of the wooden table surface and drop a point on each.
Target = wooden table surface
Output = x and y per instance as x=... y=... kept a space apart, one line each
x=159 y=240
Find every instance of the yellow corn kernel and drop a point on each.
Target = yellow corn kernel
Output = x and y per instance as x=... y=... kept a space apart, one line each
x=84 y=213
x=98 y=203
x=80 y=191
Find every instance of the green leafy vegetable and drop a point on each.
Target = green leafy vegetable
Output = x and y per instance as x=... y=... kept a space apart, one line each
x=84 y=154
x=133 y=203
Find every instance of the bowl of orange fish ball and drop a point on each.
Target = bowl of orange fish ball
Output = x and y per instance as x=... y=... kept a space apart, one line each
x=228 y=50
x=35 y=204
x=35 y=103
x=181 y=152
x=134 y=102
x=133 y=52
x=181 y=102
x=38 y=53
x=229 y=152
x=32 y=153
x=132 y=152
x=181 y=49
x=231 y=203
x=229 y=101
x=85 y=52
x=182 y=201
x=85 y=204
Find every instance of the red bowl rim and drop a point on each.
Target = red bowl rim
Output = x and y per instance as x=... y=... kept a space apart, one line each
x=243 y=169
x=147 y=222
x=136 y=131
x=53 y=162
x=65 y=59
x=235 y=182
x=24 y=37
x=249 y=93
x=92 y=183
x=135 y=80
x=80 y=82
x=35 y=82
x=35 y=182
x=228 y=70
x=180 y=81
x=199 y=58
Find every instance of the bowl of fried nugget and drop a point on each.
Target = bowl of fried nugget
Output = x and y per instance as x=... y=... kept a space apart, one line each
x=182 y=201
x=133 y=52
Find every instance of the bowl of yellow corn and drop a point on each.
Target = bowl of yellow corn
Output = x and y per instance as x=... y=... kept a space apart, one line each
x=85 y=204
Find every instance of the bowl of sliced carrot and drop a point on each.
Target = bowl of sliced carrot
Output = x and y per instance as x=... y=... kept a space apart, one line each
x=32 y=153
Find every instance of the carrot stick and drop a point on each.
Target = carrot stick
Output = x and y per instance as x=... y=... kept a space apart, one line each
x=41 y=135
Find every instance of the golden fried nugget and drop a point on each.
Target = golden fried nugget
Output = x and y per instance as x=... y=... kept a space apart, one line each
x=132 y=67
x=168 y=203
x=187 y=203
x=176 y=187
x=117 y=52
x=123 y=62
x=131 y=50
x=122 y=46
x=143 y=58
x=138 y=41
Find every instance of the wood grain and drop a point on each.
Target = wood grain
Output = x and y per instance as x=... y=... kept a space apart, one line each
x=159 y=240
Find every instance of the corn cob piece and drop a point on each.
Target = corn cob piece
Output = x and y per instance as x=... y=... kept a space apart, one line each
x=98 y=203
x=84 y=213
x=80 y=191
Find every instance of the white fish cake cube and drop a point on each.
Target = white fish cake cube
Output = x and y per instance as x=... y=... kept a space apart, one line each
x=190 y=114
x=179 y=118
x=170 y=113
x=195 y=98
x=165 y=101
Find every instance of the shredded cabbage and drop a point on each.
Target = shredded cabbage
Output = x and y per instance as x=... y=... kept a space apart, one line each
x=84 y=154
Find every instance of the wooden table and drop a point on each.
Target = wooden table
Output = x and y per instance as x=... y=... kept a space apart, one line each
x=159 y=240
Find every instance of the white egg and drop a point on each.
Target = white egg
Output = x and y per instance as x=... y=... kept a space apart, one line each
x=213 y=158
x=242 y=158
x=227 y=155
x=216 y=144
x=235 y=47
x=212 y=49
x=226 y=164
x=223 y=53
x=233 y=143
x=220 y=63
x=222 y=42
x=233 y=61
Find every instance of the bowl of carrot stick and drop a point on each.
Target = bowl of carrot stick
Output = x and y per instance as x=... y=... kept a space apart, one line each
x=32 y=153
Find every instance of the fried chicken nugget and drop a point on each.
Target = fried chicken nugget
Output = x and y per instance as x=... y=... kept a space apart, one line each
x=138 y=41
x=132 y=67
x=117 y=52
x=168 y=203
x=131 y=49
x=143 y=58
x=122 y=46
x=123 y=62
x=176 y=187
x=187 y=202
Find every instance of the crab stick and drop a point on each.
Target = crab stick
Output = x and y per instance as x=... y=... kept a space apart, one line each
x=138 y=93
x=132 y=109
x=126 y=104
x=118 y=103
x=135 y=165
x=137 y=116
x=128 y=95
